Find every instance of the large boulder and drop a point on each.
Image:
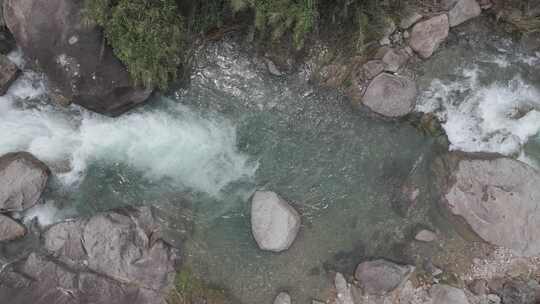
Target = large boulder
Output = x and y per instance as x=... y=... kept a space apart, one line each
x=23 y=179
x=498 y=197
x=391 y=95
x=8 y=74
x=79 y=64
x=427 y=35
x=113 y=256
x=379 y=277
x=462 y=10
x=119 y=245
x=274 y=223
x=10 y=229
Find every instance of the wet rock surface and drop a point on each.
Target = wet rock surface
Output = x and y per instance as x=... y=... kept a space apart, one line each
x=23 y=179
x=501 y=208
x=463 y=10
x=81 y=68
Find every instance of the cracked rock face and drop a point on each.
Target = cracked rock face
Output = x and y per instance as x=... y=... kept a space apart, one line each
x=498 y=197
x=113 y=255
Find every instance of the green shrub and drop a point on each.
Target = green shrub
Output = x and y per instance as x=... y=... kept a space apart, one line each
x=146 y=35
x=280 y=16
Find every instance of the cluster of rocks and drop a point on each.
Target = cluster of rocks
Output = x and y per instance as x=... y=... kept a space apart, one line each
x=383 y=83
x=116 y=255
x=80 y=66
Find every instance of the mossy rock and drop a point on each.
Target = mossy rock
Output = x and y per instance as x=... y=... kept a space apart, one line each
x=189 y=289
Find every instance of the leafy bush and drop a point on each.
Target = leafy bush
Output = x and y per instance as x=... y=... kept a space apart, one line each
x=146 y=35
x=280 y=16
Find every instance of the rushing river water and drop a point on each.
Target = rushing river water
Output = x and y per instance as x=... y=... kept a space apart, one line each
x=237 y=129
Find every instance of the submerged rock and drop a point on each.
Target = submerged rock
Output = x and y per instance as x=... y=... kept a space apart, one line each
x=463 y=10
x=8 y=74
x=10 y=229
x=80 y=66
x=409 y=20
x=282 y=298
x=426 y=36
x=425 y=236
x=22 y=181
x=498 y=197
x=390 y=95
x=343 y=290
x=274 y=223
x=379 y=277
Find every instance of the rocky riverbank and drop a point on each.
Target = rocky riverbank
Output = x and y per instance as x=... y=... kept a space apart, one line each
x=126 y=255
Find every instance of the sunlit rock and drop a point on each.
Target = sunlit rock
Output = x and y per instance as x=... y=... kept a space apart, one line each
x=274 y=223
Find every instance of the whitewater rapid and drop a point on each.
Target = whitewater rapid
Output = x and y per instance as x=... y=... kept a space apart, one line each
x=498 y=116
x=174 y=143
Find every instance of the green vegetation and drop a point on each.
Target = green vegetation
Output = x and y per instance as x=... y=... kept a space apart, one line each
x=146 y=35
x=280 y=16
x=190 y=289
x=154 y=38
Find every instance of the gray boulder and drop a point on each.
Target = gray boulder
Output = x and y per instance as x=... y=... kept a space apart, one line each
x=22 y=181
x=390 y=95
x=463 y=10
x=119 y=245
x=498 y=197
x=394 y=59
x=10 y=229
x=80 y=66
x=445 y=294
x=8 y=74
x=274 y=223
x=425 y=236
x=426 y=36
x=379 y=277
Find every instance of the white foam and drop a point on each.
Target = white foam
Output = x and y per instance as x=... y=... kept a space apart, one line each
x=500 y=117
x=174 y=143
x=46 y=214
